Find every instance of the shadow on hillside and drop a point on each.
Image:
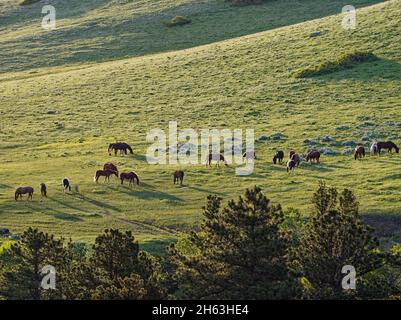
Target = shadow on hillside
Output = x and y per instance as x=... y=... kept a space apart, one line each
x=374 y=71
x=385 y=225
x=71 y=9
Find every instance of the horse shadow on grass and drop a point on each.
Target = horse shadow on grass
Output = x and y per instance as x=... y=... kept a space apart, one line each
x=5 y=186
x=145 y=194
x=139 y=157
x=100 y=204
x=65 y=204
x=206 y=190
x=315 y=167
x=56 y=213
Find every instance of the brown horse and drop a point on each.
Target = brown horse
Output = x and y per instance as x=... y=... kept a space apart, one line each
x=119 y=146
x=131 y=176
x=111 y=167
x=292 y=152
x=43 y=190
x=216 y=157
x=313 y=155
x=359 y=152
x=23 y=190
x=296 y=158
x=389 y=145
x=178 y=176
x=104 y=173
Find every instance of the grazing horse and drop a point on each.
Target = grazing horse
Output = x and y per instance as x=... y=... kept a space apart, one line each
x=23 y=190
x=291 y=165
x=178 y=176
x=373 y=149
x=249 y=155
x=313 y=155
x=296 y=158
x=278 y=155
x=389 y=145
x=104 y=173
x=66 y=184
x=43 y=190
x=216 y=157
x=111 y=167
x=131 y=176
x=359 y=152
x=122 y=146
x=292 y=152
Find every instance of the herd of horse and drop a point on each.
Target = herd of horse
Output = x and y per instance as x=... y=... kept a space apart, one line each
x=294 y=160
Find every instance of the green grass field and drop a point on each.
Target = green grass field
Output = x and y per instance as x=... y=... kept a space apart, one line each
x=104 y=75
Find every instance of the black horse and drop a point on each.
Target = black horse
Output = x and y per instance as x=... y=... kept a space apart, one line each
x=278 y=156
x=119 y=146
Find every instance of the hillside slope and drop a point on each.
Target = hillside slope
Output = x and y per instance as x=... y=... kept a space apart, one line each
x=59 y=123
x=98 y=30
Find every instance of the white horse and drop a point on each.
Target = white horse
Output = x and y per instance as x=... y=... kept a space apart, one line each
x=374 y=149
x=66 y=184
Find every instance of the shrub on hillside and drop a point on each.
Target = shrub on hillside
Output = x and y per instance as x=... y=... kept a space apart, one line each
x=28 y=2
x=346 y=61
x=178 y=21
x=241 y=3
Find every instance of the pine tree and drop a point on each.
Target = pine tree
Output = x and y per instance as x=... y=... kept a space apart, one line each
x=117 y=269
x=22 y=279
x=335 y=236
x=239 y=253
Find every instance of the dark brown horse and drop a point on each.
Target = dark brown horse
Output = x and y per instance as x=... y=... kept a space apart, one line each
x=178 y=176
x=278 y=156
x=104 y=173
x=43 y=190
x=389 y=145
x=111 y=167
x=216 y=157
x=296 y=158
x=119 y=146
x=313 y=155
x=359 y=152
x=23 y=190
x=131 y=176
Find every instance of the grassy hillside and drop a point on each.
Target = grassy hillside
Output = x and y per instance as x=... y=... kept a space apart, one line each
x=98 y=30
x=57 y=122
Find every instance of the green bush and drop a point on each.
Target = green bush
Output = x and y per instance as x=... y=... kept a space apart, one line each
x=178 y=21
x=346 y=61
